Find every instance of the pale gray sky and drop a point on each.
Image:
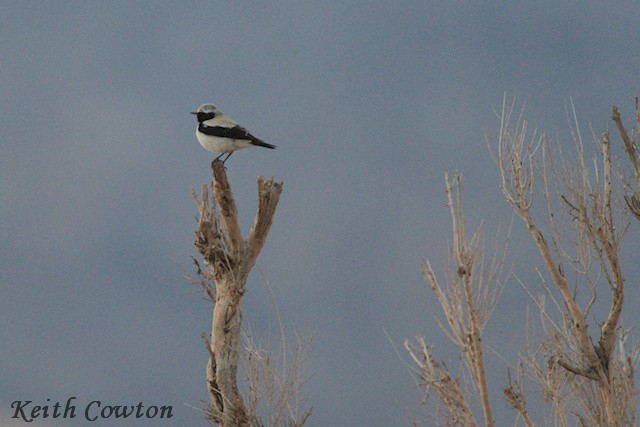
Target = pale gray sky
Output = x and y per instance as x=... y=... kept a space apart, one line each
x=369 y=103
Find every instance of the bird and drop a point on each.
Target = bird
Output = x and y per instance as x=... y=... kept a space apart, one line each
x=219 y=134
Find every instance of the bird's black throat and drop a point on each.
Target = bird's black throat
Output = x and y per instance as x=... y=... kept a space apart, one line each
x=202 y=117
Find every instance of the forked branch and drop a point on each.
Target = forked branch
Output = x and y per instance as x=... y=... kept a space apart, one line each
x=467 y=299
x=631 y=147
x=229 y=259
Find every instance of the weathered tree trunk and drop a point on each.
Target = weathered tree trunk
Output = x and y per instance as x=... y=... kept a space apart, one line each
x=229 y=259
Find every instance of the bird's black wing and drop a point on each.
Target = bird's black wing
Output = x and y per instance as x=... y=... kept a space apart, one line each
x=236 y=132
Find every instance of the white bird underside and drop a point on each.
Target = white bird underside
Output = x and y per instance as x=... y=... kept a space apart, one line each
x=220 y=145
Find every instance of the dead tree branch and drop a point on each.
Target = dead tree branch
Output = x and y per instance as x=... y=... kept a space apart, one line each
x=467 y=299
x=229 y=259
x=515 y=395
x=631 y=147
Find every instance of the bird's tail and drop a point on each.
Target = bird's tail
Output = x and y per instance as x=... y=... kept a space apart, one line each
x=263 y=144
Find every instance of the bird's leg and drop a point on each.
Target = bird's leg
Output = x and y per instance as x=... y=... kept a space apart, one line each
x=227 y=158
x=216 y=160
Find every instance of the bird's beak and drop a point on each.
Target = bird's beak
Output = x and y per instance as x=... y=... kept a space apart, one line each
x=194 y=112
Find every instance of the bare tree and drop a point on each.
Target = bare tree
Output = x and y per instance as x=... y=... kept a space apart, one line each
x=577 y=214
x=467 y=299
x=585 y=226
x=228 y=260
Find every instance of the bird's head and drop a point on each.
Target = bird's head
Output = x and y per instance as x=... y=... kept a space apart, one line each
x=207 y=112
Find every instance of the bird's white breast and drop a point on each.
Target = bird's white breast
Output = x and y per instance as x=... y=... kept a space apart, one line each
x=217 y=144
